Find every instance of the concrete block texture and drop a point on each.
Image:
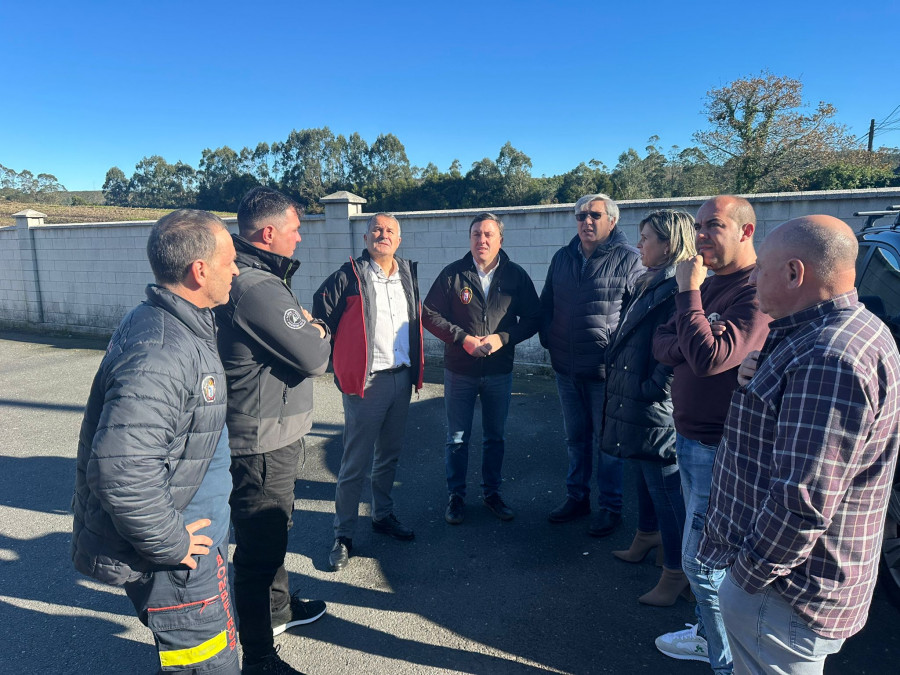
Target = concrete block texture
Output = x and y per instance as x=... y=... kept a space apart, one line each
x=64 y=265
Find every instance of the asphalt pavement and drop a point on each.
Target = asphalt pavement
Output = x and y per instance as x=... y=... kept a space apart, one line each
x=485 y=597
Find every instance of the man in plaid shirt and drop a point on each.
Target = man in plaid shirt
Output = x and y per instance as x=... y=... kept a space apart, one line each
x=802 y=476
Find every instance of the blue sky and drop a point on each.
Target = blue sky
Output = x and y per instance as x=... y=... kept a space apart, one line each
x=88 y=86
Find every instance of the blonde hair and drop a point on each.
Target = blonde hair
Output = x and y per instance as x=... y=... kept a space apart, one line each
x=676 y=228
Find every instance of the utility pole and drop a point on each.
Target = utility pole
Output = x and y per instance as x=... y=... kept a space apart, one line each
x=871 y=134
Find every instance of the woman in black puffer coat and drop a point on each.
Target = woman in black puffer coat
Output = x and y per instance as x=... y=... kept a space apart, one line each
x=638 y=421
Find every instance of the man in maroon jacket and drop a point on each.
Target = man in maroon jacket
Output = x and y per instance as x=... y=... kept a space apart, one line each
x=717 y=323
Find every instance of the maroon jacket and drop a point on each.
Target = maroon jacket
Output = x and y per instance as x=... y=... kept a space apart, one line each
x=706 y=367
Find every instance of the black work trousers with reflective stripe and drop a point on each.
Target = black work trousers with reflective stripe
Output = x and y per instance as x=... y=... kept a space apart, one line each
x=190 y=614
x=262 y=503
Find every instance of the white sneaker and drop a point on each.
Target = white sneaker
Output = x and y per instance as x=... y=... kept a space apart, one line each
x=684 y=645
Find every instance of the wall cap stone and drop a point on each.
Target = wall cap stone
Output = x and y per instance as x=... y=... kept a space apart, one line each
x=29 y=213
x=342 y=197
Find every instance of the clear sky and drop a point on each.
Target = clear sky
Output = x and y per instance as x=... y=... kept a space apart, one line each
x=91 y=85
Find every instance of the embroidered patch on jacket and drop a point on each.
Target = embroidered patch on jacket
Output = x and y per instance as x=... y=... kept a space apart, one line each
x=294 y=319
x=209 y=389
x=465 y=295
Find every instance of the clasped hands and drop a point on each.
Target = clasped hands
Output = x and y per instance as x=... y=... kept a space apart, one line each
x=480 y=346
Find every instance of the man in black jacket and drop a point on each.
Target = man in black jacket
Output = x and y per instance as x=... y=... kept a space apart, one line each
x=151 y=483
x=481 y=307
x=371 y=305
x=270 y=347
x=588 y=284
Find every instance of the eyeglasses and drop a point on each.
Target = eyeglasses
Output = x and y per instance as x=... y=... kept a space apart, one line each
x=595 y=215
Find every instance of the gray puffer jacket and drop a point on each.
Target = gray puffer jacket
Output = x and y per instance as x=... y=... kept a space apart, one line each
x=151 y=425
x=580 y=309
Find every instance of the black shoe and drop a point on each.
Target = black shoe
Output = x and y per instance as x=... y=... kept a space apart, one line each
x=340 y=553
x=604 y=523
x=393 y=527
x=570 y=510
x=495 y=503
x=269 y=665
x=297 y=613
x=456 y=510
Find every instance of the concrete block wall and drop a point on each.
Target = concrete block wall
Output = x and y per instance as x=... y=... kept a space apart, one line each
x=88 y=275
x=92 y=275
x=12 y=291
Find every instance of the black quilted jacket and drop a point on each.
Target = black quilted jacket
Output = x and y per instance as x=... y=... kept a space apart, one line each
x=580 y=311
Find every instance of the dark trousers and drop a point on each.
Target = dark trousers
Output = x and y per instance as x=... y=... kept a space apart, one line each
x=190 y=614
x=262 y=502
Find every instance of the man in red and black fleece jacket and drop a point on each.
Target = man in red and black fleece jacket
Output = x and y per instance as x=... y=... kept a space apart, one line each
x=717 y=323
x=371 y=304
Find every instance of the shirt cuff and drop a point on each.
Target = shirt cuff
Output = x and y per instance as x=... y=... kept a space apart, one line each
x=752 y=575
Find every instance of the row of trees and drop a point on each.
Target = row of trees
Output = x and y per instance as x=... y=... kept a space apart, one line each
x=761 y=137
x=25 y=186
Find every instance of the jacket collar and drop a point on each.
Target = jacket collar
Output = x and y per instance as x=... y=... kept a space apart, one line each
x=249 y=255
x=363 y=260
x=199 y=321
x=469 y=260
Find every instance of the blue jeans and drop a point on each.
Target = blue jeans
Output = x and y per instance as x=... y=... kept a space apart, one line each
x=695 y=462
x=768 y=636
x=661 y=507
x=460 y=392
x=582 y=406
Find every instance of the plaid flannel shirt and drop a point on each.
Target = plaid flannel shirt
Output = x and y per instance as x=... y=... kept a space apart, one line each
x=802 y=475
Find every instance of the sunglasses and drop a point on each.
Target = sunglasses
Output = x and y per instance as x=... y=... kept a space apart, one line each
x=595 y=215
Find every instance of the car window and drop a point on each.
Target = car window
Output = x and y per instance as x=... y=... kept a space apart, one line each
x=861 y=260
x=881 y=278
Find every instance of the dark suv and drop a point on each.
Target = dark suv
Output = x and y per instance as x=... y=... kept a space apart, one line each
x=878 y=284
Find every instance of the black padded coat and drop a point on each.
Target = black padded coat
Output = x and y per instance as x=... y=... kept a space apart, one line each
x=638 y=418
x=580 y=311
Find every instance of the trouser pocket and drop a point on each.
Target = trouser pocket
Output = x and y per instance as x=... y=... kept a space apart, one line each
x=190 y=615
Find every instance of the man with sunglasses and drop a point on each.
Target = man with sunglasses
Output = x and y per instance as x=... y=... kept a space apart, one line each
x=588 y=284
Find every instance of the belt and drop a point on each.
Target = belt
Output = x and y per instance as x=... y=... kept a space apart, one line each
x=390 y=371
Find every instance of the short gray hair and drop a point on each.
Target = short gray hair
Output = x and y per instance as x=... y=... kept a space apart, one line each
x=382 y=214
x=612 y=209
x=179 y=239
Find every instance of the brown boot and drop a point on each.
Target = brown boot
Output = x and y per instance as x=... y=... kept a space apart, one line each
x=671 y=584
x=640 y=546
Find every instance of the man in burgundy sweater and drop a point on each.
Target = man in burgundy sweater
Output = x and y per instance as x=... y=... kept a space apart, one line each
x=717 y=323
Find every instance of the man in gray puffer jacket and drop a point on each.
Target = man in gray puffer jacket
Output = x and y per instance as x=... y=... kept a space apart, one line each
x=152 y=483
x=588 y=284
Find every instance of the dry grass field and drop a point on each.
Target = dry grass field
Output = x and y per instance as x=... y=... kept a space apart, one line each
x=82 y=214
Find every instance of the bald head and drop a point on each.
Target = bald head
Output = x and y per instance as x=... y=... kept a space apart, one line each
x=825 y=244
x=803 y=262
x=740 y=210
x=724 y=229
